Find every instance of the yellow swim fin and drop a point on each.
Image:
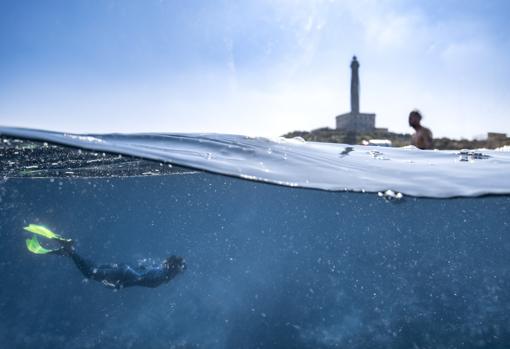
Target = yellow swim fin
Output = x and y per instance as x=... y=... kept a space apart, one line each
x=43 y=231
x=34 y=246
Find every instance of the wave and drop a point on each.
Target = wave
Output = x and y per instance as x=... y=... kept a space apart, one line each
x=296 y=163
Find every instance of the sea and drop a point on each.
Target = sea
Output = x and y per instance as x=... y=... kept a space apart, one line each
x=288 y=243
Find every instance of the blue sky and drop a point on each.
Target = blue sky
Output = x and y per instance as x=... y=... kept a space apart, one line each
x=253 y=67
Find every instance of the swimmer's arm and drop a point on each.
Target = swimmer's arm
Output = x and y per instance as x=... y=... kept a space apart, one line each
x=427 y=139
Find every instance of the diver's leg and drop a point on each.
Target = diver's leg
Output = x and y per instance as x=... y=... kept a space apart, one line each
x=86 y=266
x=114 y=275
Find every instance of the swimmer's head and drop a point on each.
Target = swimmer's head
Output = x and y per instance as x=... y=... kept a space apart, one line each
x=174 y=265
x=415 y=118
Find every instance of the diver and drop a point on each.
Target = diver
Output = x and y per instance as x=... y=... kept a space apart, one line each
x=114 y=276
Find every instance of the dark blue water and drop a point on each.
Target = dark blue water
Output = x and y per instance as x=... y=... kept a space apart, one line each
x=268 y=267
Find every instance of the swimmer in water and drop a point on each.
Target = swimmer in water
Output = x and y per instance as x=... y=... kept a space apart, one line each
x=422 y=138
x=114 y=276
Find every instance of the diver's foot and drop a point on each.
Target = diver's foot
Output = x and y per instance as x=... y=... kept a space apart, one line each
x=67 y=247
x=59 y=252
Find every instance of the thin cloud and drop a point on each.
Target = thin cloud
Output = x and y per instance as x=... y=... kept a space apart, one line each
x=261 y=67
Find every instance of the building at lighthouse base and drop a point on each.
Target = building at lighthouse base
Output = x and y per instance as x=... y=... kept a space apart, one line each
x=356 y=122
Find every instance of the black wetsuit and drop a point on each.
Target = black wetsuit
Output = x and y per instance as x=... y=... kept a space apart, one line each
x=121 y=275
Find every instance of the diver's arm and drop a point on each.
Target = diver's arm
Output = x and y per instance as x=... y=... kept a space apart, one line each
x=152 y=278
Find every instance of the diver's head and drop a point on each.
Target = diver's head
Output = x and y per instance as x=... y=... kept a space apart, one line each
x=174 y=265
x=415 y=118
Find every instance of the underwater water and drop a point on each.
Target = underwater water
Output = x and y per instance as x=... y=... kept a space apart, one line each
x=268 y=266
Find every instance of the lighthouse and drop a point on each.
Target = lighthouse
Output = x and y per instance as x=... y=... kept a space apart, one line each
x=355 y=121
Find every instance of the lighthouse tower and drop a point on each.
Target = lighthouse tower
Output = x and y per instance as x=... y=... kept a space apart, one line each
x=354 y=121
